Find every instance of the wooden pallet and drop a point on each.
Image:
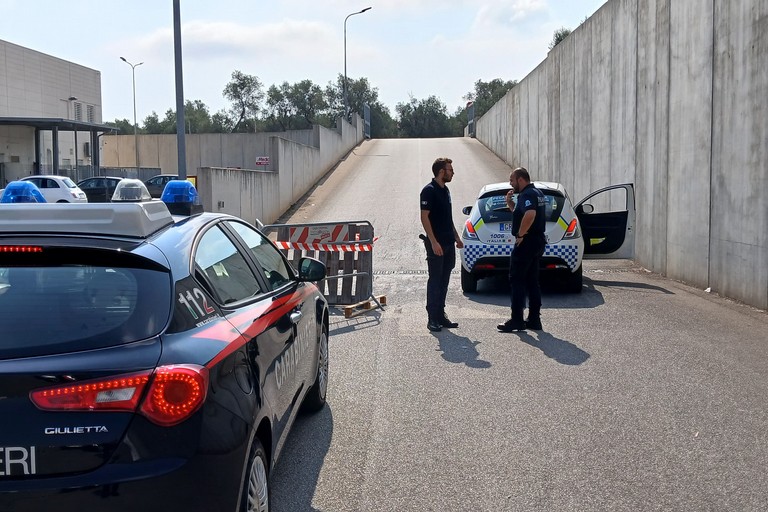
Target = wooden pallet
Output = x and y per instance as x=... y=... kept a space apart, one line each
x=363 y=306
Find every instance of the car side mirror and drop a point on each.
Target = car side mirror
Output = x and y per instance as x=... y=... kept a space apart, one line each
x=466 y=210
x=585 y=208
x=311 y=270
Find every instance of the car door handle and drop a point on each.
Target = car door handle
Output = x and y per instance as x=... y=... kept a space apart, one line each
x=295 y=317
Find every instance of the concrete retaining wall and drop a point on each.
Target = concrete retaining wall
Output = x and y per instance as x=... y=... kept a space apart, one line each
x=228 y=180
x=669 y=95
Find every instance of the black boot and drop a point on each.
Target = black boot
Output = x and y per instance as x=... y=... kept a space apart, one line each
x=446 y=322
x=434 y=325
x=512 y=325
x=533 y=323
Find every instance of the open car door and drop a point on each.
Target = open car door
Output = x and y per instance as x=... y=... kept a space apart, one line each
x=607 y=219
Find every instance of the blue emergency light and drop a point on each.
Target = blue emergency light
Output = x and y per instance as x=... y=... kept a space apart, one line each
x=181 y=198
x=22 y=192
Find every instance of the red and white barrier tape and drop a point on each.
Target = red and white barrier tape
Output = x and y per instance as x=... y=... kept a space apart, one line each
x=354 y=247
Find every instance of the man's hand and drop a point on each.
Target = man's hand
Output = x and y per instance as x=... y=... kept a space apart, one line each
x=437 y=248
x=459 y=243
x=510 y=200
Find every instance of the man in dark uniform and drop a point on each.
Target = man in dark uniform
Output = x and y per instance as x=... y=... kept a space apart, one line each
x=528 y=225
x=441 y=235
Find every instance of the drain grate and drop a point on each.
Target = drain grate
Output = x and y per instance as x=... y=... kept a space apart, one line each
x=404 y=272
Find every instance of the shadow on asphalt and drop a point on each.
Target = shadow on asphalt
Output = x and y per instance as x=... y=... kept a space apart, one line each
x=294 y=479
x=340 y=325
x=562 y=351
x=459 y=349
x=495 y=291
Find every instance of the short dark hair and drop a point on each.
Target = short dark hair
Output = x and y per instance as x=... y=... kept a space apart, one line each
x=522 y=172
x=440 y=164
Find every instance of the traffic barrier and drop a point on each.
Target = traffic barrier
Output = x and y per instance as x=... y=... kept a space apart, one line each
x=346 y=249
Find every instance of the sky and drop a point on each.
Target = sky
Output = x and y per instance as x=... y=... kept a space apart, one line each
x=405 y=48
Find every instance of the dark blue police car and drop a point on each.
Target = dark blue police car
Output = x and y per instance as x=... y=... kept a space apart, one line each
x=152 y=357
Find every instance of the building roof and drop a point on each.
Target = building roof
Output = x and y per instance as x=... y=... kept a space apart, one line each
x=44 y=123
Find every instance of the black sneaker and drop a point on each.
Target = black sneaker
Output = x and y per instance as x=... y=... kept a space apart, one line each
x=511 y=326
x=446 y=322
x=533 y=324
x=434 y=326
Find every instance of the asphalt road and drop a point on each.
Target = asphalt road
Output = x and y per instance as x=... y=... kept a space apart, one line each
x=641 y=393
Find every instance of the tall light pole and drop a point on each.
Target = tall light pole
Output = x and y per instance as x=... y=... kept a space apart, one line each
x=346 y=100
x=135 y=125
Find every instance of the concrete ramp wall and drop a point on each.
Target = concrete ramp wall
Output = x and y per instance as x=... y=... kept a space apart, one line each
x=228 y=180
x=670 y=95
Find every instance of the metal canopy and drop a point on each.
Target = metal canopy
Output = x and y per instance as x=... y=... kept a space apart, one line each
x=44 y=123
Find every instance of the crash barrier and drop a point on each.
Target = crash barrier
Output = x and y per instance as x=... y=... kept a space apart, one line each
x=346 y=249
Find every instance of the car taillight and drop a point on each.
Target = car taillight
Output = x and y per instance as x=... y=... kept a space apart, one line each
x=20 y=248
x=120 y=393
x=173 y=393
x=573 y=229
x=469 y=231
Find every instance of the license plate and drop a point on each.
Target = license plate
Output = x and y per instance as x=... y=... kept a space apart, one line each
x=505 y=227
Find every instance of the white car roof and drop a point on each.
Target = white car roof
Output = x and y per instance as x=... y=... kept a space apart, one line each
x=53 y=176
x=504 y=185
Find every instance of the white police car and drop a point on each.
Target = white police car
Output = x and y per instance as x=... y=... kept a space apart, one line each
x=601 y=225
x=153 y=356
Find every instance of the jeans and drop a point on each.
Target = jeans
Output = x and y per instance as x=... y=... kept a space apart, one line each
x=439 y=268
x=524 y=276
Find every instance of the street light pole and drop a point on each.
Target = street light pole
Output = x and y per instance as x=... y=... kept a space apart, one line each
x=135 y=124
x=346 y=100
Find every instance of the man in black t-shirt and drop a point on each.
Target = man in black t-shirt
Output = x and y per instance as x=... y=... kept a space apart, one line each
x=441 y=235
x=529 y=223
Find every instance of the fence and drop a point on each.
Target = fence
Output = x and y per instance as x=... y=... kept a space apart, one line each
x=346 y=249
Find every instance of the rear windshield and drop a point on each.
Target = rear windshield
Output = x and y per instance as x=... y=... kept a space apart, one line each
x=493 y=207
x=54 y=308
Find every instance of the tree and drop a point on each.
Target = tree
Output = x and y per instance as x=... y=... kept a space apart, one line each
x=123 y=126
x=153 y=124
x=359 y=93
x=280 y=110
x=558 y=37
x=487 y=94
x=423 y=118
x=245 y=92
x=308 y=100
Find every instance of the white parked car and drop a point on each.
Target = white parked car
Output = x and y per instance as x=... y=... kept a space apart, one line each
x=601 y=225
x=58 y=189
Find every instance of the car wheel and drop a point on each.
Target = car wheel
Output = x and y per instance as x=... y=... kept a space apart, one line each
x=575 y=281
x=315 y=399
x=62 y=201
x=256 y=486
x=468 y=282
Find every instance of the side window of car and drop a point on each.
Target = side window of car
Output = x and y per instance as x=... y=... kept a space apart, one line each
x=49 y=183
x=269 y=259
x=225 y=268
x=153 y=181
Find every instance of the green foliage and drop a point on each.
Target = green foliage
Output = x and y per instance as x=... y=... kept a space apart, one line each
x=424 y=118
x=558 y=37
x=124 y=126
x=300 y=105
x=245 y=92
x=487 y=94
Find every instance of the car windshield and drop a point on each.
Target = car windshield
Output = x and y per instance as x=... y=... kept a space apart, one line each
x=63 y=307
x=493 y=207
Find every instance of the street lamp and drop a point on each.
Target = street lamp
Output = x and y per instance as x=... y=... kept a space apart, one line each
x=135 y=125
x=346 y=101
